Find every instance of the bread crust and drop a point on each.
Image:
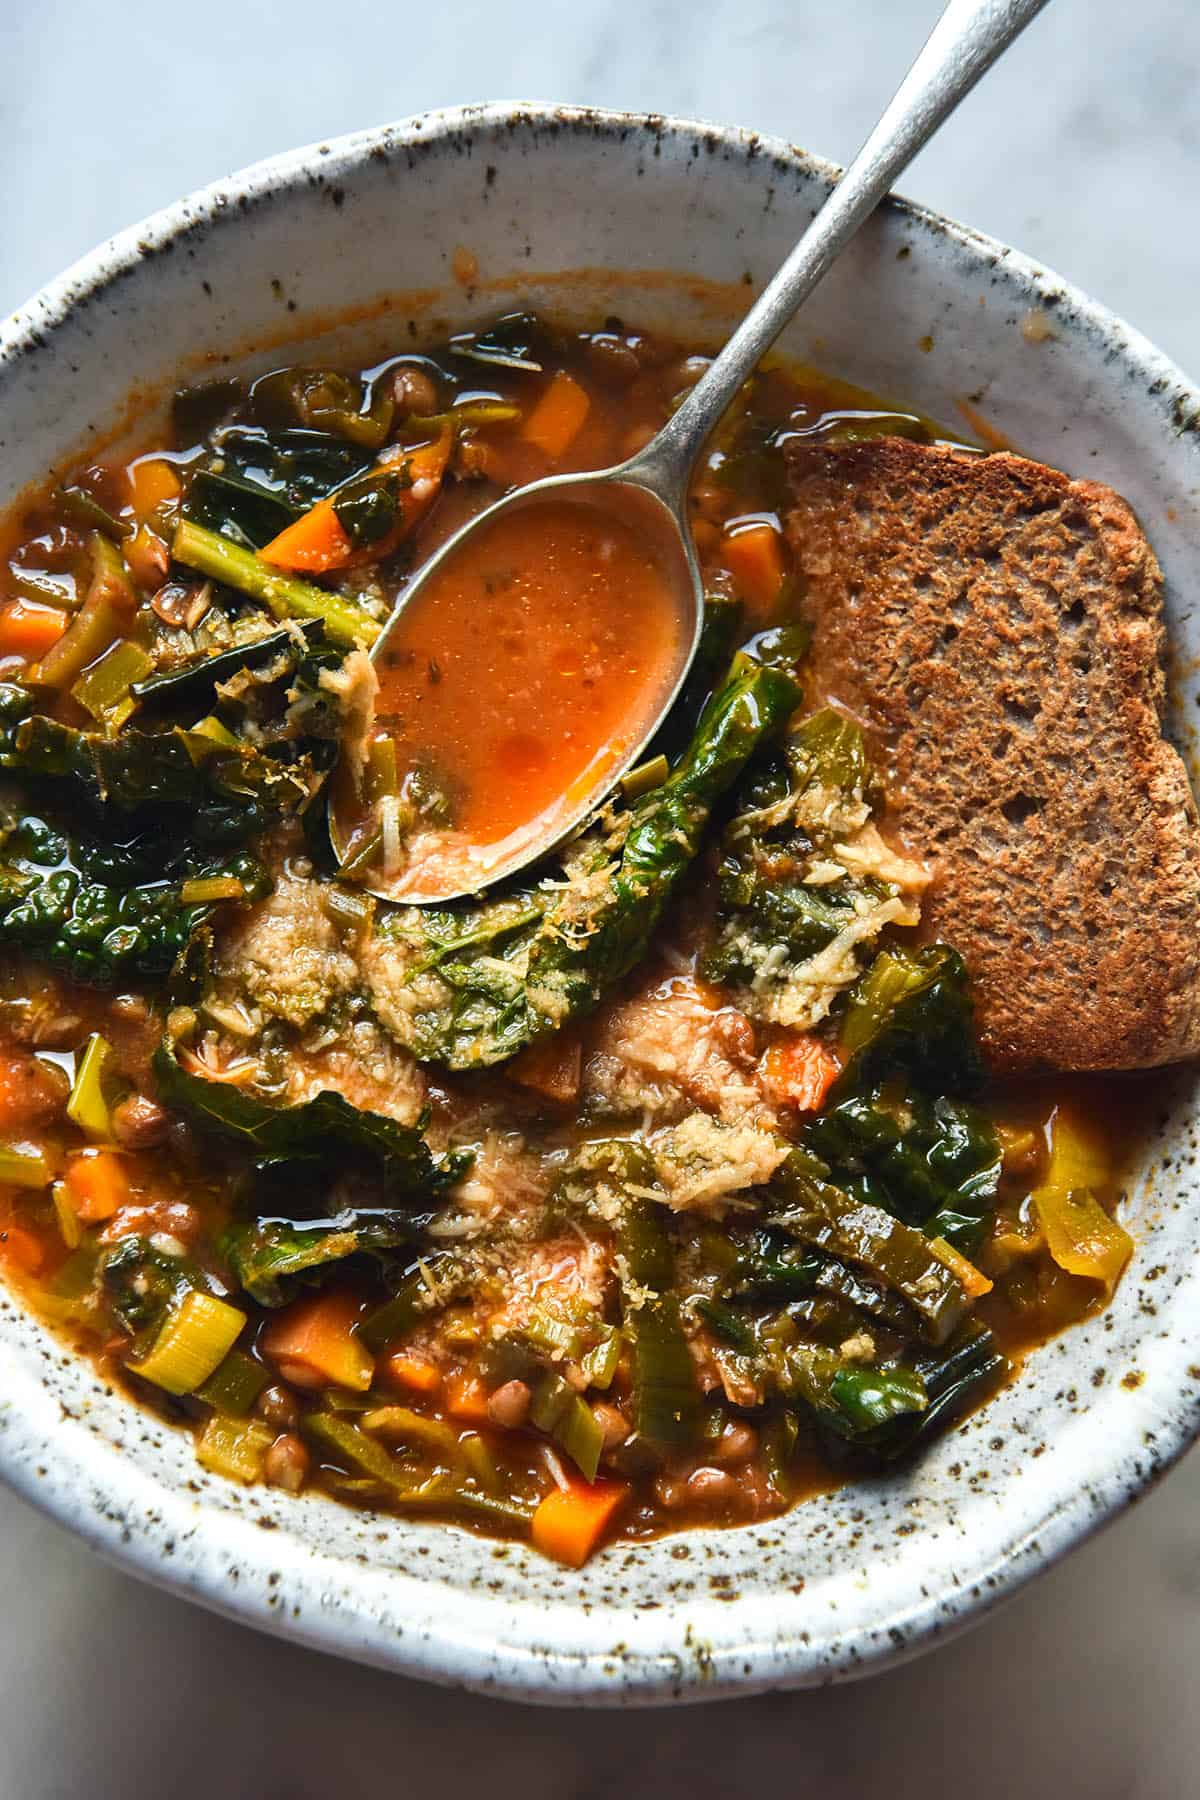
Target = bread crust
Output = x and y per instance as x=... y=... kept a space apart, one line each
x=1000 y=627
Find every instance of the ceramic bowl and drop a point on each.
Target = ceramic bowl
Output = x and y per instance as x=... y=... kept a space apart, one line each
x=351 y=245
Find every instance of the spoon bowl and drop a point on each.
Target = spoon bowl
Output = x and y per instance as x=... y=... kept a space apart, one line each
x=630 y=494
x=964 y=43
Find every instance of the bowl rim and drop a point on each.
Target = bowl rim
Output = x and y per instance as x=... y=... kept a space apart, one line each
x=544 y=1669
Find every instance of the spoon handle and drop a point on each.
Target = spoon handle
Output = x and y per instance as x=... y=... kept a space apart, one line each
x=963 y=45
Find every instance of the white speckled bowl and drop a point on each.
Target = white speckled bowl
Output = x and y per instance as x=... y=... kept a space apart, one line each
x=859 y=1578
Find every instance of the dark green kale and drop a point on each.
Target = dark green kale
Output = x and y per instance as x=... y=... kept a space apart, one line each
x=252 y=483
x=139 y=1282
x=911 y=1014
x=934 y=1163
x=57 y=906
x=492 y=978
x=314 y=1142
x=272 y=1257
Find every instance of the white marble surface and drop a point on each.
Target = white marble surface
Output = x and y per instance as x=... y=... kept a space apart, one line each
x=1083 y=148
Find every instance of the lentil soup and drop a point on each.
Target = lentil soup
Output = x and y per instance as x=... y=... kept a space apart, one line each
x=658 y=1189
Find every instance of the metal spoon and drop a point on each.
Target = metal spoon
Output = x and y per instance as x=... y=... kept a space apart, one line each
x=650 y=489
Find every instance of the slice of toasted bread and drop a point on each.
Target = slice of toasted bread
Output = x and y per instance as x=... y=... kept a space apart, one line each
x=1000 y=627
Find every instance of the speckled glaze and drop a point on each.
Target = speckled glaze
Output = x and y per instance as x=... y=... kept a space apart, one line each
x=920 y=311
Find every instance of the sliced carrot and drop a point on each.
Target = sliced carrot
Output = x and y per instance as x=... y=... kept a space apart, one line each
x=552 y=1068
x=313 y=1343
x=570 y=1521
x=97 y=1183
x=466 y=1399
x=558 y=417
x=317 y=542
x=147 y=557
x=799 y=1071
x=405 y=1370
x=152 y=483
x=28 y=629
x=753 y=554
x=21 y=1249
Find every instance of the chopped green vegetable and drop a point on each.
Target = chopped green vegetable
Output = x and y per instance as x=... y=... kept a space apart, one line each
x=495 y=977
x=87 y=1106
x=234 y=1385
x=26 y=1166
x=284 y=596
x=104 y=688
x=192 y=1343
x=568 y=1419
x=819 y=1214
x=235 y=1448
x=911 y=1011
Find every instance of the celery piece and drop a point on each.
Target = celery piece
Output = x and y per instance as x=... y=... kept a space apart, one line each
x=478 y=1459
x=647 y=775
x=342 y=906
x=109 y=598
x=194 y=1340
x=367 y=853
x=407 y=1426
x=369 y=1458
x=69 y=1228
x=207 y=888
x=283 y=595
x=212 y=736
x=104 y=686
x=86 y=1104
x=554 y=1335
x=235 y=1448
x=234 y=1385
x=559 y=1411
x=24 y=1165
x=600 y=1363
x=82 y=508
x=382 y=774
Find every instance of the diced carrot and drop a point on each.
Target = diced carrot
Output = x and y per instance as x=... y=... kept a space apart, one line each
x=147 y=557
x=558 y=417
x=405 y=1370
x=317 y=543
x=28 y=629
x=97 y=1183
x=552 y=1068
x=466 y=1399
x=799 y=1071
x=753 y=554
x=313 y=1343
x=570 y=1521
x=152 y=482
x=21 y=1249
x=314 y=543
x=974 y=1282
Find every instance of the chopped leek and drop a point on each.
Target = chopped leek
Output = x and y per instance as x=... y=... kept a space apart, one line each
x=86 y=1104
x=382 y=773
x=647 y=775
x=194 y=1340
x=103 y=688
x=69 y=1228
x=24 y=1165
x=234 y=1385
x=406 y=1426
x=560 y=1412
x=1080 y=1236
x=235 y=1448
x=110 y=597
x=599 y=1364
